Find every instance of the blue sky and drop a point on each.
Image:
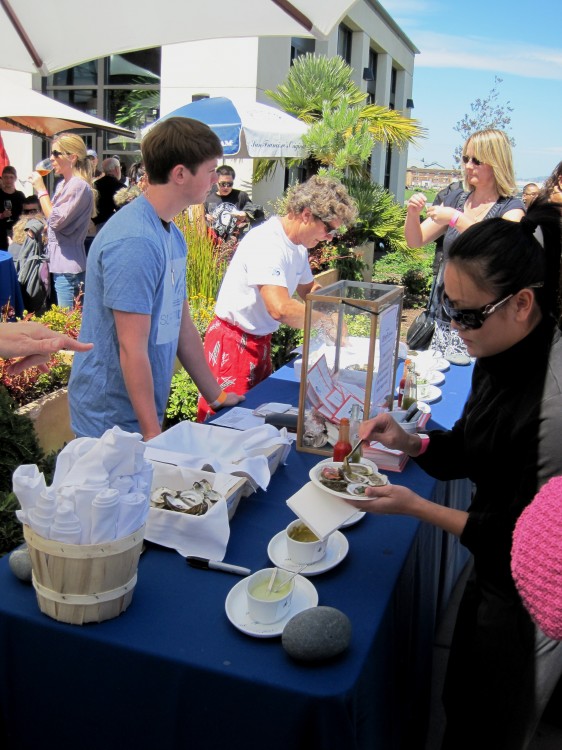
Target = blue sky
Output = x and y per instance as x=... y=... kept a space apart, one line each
x=463 y=46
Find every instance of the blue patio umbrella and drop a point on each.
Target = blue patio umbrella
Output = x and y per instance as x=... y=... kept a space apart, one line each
x=247 y=129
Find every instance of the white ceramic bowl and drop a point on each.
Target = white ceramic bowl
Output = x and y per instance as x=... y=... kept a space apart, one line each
x=304 y=552
x=265 y=607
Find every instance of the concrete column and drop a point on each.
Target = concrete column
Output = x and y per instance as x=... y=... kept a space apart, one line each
x=382 y=98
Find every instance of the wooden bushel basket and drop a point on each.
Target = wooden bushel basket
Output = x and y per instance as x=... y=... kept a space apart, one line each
x=78 y=583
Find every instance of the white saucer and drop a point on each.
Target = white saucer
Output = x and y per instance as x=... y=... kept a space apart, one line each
x=433 y=377
x=353 y=520
x=314 y=475
x=305 y=596
x=432 y=393
x=336 y=550
x=433 y=363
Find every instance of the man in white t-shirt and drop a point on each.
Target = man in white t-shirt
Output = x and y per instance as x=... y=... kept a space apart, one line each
x=269 y=266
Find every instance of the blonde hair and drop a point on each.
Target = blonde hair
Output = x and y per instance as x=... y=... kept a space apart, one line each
x=493 y=147
x=71 y=144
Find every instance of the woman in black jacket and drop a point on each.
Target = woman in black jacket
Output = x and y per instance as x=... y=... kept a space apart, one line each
x=502 y=287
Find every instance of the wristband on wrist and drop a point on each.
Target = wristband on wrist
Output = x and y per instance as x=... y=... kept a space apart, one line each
x=424 y=443
x=219 y=401
x=454 y=218
x=42 y=194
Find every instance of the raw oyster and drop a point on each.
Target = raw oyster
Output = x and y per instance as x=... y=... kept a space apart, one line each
x=194 y=501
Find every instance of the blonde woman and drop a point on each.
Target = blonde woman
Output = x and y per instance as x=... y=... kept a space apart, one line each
x=489 y=191
x=68 y=215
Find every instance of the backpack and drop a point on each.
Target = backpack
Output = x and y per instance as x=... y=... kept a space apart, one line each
x=32 y=268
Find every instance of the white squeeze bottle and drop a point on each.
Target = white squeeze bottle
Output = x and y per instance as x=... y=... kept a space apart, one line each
x=66 y=526
x=42 y=515
x=105 y=513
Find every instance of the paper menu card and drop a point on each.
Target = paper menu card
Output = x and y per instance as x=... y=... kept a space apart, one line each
x=322 y=512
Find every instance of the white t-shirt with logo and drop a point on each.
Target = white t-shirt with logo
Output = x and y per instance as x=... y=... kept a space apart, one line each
x=265 y=256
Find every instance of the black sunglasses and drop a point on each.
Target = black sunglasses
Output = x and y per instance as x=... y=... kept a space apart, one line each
x=226 y=184
x=476 y=162
x=330 y=231
x=56 y=153
x=471 y=319
x=27 y=211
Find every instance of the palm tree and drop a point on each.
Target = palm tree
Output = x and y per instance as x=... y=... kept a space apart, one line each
x=320 y=91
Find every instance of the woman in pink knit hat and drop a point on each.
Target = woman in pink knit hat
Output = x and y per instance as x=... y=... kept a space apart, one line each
x=536 y=558
x=502 y=292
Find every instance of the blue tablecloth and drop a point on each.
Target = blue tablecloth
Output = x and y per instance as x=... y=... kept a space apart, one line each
x=9 y=285
x=172 y=672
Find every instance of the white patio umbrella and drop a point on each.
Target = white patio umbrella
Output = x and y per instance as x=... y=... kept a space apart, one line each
x=247 y=129
x=47 y=36
x=26 y=111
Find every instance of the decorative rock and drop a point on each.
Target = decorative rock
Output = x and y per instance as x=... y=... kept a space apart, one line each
x=20 y=563
x=317 y=633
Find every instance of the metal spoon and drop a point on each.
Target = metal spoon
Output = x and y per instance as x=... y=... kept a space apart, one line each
x=345 y=466
x=287 y=580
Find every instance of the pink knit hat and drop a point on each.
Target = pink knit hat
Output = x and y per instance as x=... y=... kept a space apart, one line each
x=536 y=558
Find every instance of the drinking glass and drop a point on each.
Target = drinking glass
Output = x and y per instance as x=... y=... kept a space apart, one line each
x=44 y=167
x=7 y=205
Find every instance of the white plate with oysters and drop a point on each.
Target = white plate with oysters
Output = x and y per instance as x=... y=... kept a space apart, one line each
x=332 y=477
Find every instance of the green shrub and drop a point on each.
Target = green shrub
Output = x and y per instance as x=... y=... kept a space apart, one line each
x=182 y=402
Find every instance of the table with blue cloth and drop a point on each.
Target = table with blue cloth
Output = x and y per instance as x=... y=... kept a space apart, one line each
x=172 y=672
x=10 y=291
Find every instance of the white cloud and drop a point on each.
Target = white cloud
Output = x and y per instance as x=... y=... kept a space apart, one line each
x=477 y=53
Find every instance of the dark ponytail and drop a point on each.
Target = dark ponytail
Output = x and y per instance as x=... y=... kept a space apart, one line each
x=506 y=256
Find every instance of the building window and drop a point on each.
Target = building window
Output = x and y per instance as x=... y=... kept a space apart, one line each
x=124 y=89
x=372 y=85
x=301 y=46
x=344 y=43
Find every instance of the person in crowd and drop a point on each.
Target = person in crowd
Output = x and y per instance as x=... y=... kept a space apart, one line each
x=31 y=206
x=552 y=187
x=530 y=192
x=256 y=294
x=123 y=176
x=136 y=311
x=33 y=343
x=93 y=158
x=106 y=188
x=224 y=206
x=11 y=201
x=489 y=190
x=68 y=215
x=502 y=295
x=137 y=185
x=536 y=558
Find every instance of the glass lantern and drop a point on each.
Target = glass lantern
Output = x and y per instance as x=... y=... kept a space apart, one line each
x=350 y=351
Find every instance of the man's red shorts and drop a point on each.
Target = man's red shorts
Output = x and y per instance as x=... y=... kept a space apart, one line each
x=239 y=360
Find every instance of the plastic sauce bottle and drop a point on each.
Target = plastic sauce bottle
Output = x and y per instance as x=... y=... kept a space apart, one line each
x=402 y=382
x=343 y=447
x=410 y=395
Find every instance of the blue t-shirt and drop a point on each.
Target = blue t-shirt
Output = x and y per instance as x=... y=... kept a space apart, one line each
x=135 y=265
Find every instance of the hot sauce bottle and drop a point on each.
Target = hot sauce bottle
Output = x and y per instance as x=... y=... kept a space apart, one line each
x=343 y=447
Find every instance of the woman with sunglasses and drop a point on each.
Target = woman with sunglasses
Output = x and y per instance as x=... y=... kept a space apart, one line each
x=68 y=215
x=489 y=189
x=502 y=293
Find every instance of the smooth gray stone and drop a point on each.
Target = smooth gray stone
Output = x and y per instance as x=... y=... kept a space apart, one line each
x=20 y=564
x=317 y=633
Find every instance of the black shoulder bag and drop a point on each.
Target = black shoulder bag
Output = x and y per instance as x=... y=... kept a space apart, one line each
x=421 y=329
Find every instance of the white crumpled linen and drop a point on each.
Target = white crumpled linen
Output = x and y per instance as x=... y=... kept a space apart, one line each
x=203 y=536
x=87 y=468
x=204 y=446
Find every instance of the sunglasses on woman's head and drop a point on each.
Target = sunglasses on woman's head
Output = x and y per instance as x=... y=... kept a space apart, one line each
x=476 y=162
x=472 y=318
